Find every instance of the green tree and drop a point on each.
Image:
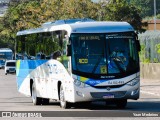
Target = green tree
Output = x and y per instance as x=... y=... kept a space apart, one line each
x=157 y=48
x=146 y=7
x=121 y=10
x=31 y=14
x=158 y=16
x=26 y=14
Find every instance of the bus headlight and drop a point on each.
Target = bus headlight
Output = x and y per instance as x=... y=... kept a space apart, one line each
x=133 y=82
x=78 y=83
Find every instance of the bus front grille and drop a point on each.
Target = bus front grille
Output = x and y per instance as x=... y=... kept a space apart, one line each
x=100 y=95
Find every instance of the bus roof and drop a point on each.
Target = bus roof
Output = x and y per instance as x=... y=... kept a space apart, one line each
x=83 y=27
x=5 y=50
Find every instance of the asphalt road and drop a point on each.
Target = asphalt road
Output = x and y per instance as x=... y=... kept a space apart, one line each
x=12 y=100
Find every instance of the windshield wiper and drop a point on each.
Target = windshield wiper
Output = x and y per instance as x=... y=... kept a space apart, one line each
x=116 y=60
x=98 y=61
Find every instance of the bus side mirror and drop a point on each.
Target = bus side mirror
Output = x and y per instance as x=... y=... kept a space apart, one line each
x=138 y=45
x=69 y=49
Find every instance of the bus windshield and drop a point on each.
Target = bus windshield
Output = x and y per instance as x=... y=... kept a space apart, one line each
x=104 y=54
x=11 y=64
x=6 y=55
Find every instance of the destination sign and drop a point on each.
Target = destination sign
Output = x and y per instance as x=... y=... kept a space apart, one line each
x=89 y=37
x=114 y=37
x=120 y=35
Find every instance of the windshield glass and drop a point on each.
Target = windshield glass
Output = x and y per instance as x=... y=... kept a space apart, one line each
x=6 y=55
x=122 y=53
x=11 y=64
x=88 y=52
x=104 y=54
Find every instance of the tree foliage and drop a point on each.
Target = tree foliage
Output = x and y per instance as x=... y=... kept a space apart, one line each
x=157 y=48
x=26 y=14
x=121 y=10
x=146 y=7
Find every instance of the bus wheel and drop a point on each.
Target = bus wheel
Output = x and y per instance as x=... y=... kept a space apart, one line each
x=45 y=101
x=121 y=103
x=36 y=100
x=63 y=103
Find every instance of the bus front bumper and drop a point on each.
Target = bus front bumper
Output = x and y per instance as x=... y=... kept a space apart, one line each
x=93 y=94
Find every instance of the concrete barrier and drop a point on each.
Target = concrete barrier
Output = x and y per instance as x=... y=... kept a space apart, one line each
x=150 y=71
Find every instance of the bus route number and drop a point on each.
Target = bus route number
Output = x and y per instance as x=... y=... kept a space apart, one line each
x=83 y=61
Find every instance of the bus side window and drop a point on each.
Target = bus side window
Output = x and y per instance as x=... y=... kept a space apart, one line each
x=43 y=56
x=55 y=55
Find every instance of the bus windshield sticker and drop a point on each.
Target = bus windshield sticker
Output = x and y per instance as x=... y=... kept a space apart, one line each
x=103 y=69
x=83 y=61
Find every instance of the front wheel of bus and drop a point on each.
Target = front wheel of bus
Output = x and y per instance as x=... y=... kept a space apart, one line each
x=36 y=100
x=63 y=103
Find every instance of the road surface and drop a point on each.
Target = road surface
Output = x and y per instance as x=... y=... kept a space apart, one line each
x=12 y=100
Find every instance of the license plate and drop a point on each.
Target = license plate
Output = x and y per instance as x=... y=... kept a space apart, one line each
x=11 y=69
x=109 y=96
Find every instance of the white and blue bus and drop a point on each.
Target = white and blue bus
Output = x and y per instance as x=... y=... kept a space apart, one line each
x=5 y=54
x=79 y=60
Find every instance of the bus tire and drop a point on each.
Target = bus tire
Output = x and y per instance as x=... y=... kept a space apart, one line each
x=121 y=104
x=36 y=100
x=83 y=104
x=63 y=103
x=45 y=101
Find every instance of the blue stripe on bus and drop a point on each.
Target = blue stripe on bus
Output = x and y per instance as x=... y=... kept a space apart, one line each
x=26 y=67
x=89 y=81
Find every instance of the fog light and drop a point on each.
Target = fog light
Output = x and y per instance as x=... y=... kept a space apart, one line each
x=134 y=92
x=80 y=94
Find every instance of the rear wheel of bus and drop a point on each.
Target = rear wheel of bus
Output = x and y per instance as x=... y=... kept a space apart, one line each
x=63 y=103
x=36 y=100
x=45 y=101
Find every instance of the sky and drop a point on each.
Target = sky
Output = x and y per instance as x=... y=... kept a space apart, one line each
x=4 y=1
x=95 y=0
x=92 y=0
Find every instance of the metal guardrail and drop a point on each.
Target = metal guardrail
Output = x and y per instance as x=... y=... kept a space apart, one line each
x=150 y=46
